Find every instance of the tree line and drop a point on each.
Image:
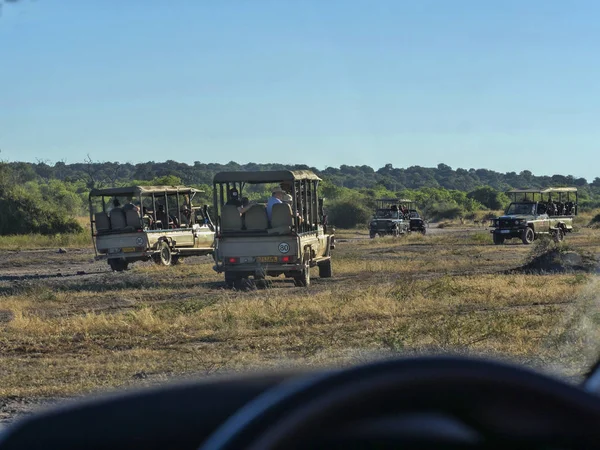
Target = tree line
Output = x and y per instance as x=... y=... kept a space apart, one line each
x=44 y=198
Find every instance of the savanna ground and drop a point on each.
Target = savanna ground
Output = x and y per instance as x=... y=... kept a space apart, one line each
x=69 y=326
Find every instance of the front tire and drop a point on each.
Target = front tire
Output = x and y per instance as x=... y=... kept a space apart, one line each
x=528 y=236
x=372 y=234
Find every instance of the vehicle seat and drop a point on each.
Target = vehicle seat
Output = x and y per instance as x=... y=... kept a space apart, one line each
x=117 y=219
x=230 y=218
x=102 y=221
x=281 y=219
x=133 y=219
x=256 y=218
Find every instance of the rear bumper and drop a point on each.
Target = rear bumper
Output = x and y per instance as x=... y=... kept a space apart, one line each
x=258 y=268
x=137 y=256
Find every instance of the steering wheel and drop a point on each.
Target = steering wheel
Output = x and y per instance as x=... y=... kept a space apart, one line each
x=416 y=401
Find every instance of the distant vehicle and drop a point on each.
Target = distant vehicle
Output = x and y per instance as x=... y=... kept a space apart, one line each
x=389 y=219
x=534 y=212
x=295 y=239
x=140 y=223
x=416 y=222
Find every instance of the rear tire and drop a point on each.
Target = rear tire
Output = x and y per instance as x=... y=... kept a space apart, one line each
x=175 y=259
x=231 y=278
x=164 y=257
x=559 y=235
x=325 y=269
x=118 y=265
x=372 y=235
x=528 y=236
x=498 y=240
x=303 y=280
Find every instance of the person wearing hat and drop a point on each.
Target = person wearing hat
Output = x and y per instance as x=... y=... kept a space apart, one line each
x=277 y=195
x=234 y=198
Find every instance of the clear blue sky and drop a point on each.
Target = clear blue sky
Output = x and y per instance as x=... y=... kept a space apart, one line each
x=505 y=85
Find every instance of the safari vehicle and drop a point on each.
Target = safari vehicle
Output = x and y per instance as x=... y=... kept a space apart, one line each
x=294 y=240
x=388 y=218
x=416 y=222
x=533 y=213
x=140 y=223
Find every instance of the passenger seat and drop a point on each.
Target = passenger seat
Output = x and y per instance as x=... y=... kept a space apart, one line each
x=256 y=218
x=133 y=219
x=230 y=218
x=281 y=219
x=102 y=221
x=117 y=219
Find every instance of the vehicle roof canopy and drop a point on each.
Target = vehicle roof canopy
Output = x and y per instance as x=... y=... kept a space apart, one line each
x=542 y=191
x=142 y=190
x=396 y=200
x=267 y=176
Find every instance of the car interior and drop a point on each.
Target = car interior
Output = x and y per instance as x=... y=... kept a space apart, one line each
x=426 y=403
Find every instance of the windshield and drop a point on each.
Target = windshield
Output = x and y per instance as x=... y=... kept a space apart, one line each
x=521 y=208
x=354 y=106
x=386 y=214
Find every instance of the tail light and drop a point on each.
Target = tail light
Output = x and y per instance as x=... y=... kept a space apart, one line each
x=286 y=259
x=233 y=260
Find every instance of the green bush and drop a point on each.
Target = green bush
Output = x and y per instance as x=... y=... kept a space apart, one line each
x=348 y=214
x=24 y=209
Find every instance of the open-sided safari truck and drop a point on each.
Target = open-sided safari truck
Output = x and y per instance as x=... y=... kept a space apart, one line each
x=295 y=238
x=139 y=223
x=388 y=218
x=537 y=212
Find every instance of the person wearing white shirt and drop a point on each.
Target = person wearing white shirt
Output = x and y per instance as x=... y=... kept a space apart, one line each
x=275 y=198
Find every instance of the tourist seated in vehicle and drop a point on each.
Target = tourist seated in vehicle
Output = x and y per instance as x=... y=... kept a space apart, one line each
x=186 y=217
x=276 y=196
x=162 y=217
x=147 y=219
x=244 y=205
x=234 y=198
x=542 y=208
x=130 y=206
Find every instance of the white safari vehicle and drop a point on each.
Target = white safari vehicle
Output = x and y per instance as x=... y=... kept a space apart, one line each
x=139 y=223
x=290 y=240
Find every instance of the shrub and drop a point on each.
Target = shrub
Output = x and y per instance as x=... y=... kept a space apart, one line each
x=348 y=214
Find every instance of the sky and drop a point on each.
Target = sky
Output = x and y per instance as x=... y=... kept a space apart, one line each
x=506 y=85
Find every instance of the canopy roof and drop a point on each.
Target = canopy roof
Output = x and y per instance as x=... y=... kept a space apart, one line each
x=142 y=190
x=267 y=176
x=543 y=191
x=396 y=200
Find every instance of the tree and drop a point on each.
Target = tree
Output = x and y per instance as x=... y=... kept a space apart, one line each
x=489 y=197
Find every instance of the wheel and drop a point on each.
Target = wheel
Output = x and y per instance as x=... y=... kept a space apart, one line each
x=325 y=269
x=118 y=264
x=164 y=257
x=559 y=235
x=303 y=280
x=231 y=278
x=528 y=236
x=372 y=234
x=423 y=231
x=498 y=239
x=175 y=259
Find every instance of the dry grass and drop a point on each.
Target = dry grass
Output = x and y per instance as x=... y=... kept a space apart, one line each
x=438 y=293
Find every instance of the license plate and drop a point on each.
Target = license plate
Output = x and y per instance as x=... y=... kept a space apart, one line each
x=504 y=231
x=128 y=249
x=272 y=259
